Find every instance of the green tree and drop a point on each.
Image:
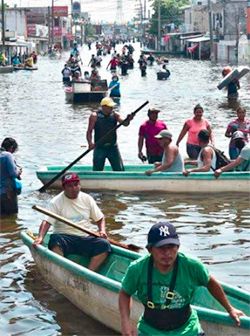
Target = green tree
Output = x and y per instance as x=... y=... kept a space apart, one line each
x=170 y=13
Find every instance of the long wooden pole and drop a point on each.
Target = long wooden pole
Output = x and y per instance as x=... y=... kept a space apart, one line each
x=131 y=247
x=43 y=188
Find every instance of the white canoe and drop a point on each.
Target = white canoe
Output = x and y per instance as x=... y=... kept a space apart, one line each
x=134 y=179
x=96 y=294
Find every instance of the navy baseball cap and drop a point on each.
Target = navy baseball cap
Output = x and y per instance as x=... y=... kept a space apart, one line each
x=162 y=233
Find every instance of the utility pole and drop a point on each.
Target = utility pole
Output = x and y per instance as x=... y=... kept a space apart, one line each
x=159 y=26
x=52 y=23
x=248 y=28
x=210 y=31
x=49 y=27
x=3 y=26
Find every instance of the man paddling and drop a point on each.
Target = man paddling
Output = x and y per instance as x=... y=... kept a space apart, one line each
x=81 y=208
x=165 y=281
x=103 y=123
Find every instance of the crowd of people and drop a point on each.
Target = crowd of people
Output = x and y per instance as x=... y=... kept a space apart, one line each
x=155 y=145
x=18 y=59
x=157 y=139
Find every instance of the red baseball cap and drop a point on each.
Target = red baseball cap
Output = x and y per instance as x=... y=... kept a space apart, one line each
x=70 y=177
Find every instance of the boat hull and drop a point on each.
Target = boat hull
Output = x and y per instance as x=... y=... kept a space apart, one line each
x=18 y=68
x=6 y=69
x=97 y=295
x=85 y=97
x=134 y=179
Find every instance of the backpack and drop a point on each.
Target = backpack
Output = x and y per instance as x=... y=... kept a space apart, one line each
x=221 y=159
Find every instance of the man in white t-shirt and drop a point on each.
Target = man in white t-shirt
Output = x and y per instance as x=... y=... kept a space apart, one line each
x=79 y=208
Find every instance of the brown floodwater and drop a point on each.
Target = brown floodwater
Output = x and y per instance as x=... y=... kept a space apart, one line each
x=49 y=131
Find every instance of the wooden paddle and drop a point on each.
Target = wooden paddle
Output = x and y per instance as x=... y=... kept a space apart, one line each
x=131 y=247
x=43 y=188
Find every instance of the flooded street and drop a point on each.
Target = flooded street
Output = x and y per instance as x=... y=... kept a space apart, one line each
x=49 y=131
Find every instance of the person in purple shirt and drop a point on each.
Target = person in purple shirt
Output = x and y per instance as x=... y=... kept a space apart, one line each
x=8 y=172
x=148 y=130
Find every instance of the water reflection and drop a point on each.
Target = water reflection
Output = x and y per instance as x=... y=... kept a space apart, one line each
x=57 y=308
x=49 y=131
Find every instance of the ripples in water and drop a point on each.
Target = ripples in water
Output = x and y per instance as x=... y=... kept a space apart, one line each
x=49 y=131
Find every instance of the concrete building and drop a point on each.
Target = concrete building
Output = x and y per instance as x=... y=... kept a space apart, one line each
x=228 y=27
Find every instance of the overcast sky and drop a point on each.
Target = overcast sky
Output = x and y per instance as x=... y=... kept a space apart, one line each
x=99 y=10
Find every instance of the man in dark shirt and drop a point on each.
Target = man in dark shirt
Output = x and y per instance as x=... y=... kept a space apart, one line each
x=105 y=145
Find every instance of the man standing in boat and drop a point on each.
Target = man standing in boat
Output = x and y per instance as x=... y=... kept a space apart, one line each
x=165 y=281
x=103 y=123
x=78 y=207
x=148 y=130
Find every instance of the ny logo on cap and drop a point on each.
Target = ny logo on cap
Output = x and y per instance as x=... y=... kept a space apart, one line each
x=164 y=231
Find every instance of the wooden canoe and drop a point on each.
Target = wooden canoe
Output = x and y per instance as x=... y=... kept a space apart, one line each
x=134 y=179
x=96 y=294
x=79 y=93
x=6 y=69
x=17 y=68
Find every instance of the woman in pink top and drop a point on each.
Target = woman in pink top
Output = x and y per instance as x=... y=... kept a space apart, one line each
x=193 y=127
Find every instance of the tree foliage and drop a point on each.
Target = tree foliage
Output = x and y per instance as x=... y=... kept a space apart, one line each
x=170 y=13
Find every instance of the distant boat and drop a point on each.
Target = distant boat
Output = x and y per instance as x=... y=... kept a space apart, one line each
x=134 y=179
x=82 y=92
x=96 y=293
x=23 y=67
x=6 y=69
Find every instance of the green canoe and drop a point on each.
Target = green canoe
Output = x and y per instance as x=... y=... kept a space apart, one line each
x=96 y=294
x=134 y=179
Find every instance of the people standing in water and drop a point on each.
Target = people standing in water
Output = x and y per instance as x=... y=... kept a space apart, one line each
x=193 y=127
x=66 y=73
x=241 y=123
x=172 y=160
x=143 y=65
x=147 y=132
x=102 y=123
x=242 y=162
x=165 y=281
x=114 y=87
x=113 y=64
x=9 y=172
x=150 y=59
x=233 y=86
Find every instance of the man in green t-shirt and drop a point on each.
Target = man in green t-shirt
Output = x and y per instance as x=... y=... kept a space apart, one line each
x=164 y=282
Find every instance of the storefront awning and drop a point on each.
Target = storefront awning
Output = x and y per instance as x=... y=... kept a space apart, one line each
x=199 y=39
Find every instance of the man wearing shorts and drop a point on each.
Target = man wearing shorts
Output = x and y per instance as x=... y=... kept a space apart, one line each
x=80 y=208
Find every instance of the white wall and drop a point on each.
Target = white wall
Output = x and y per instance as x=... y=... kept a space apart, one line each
x=15 y=20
